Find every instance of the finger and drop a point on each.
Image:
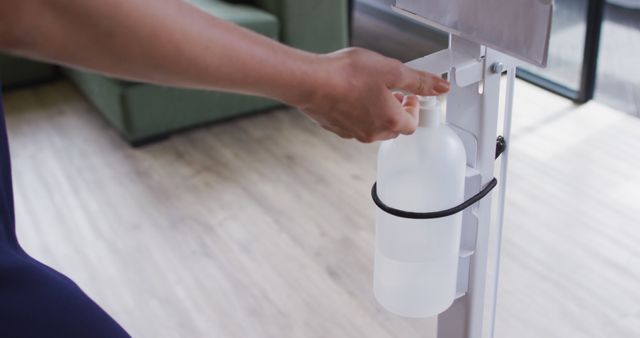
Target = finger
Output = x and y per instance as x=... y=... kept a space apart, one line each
x=388 y=136
x=420 y=83
x=399 y=96
x=378 y=137
x=411 y=105
x=405 y=122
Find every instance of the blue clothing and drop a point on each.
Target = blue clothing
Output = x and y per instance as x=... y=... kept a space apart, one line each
x=35 y=300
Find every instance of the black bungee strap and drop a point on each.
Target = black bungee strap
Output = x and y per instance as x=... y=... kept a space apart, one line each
x=500 y=147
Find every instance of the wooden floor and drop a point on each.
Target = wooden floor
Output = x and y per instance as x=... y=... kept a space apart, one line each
x=262 y=226
x=571 y=259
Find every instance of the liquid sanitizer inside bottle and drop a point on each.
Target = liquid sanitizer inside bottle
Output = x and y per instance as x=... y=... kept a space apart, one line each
x=416 y=261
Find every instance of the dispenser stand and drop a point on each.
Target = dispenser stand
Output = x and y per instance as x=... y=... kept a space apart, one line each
x=473 y=106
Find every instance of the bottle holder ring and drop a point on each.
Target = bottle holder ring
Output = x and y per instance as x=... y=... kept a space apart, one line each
x=501 y=145
x=432 y=214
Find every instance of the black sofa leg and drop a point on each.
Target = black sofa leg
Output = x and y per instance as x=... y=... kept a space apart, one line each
x=137 y=143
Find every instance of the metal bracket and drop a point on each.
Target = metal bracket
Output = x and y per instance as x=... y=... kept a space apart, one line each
x=469 y=73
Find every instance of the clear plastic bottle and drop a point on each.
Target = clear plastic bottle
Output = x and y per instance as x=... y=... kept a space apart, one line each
x=416 y=261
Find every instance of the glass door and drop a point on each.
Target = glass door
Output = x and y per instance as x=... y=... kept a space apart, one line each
x=573 y=50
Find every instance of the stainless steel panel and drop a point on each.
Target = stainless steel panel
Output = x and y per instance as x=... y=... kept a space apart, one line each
x=516 y=27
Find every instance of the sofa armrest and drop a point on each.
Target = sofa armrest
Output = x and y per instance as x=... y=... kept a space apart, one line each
x=15 y=71
x=314 y=25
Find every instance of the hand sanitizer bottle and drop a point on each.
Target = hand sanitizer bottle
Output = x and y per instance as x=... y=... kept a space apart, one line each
x=416 y=261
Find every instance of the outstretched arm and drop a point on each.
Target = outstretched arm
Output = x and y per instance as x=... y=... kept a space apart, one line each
x=172 y=42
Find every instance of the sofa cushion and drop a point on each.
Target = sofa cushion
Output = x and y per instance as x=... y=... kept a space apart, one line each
x=246 y=16
x=143 y=111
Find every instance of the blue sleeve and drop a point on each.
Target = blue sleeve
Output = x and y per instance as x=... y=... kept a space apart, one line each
x=35 y=300
x=7 y=218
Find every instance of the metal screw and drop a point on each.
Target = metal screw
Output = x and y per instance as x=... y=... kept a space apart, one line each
x=497 y=67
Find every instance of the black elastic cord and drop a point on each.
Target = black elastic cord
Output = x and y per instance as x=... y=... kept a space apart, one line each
x=501 y=145
x=434 y=214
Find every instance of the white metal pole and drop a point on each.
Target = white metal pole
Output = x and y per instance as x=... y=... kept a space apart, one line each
x=474 y=112
x=502 y=185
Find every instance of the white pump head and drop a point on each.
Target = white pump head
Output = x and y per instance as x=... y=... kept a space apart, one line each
x=428 y=101
x=430 y=108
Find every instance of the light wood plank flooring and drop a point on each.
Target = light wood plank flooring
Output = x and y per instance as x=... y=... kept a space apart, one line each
x=262 y=226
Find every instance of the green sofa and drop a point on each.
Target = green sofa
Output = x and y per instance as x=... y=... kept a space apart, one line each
x=144 y=112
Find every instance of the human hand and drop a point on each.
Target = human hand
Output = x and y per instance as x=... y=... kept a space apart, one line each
x=352 y=95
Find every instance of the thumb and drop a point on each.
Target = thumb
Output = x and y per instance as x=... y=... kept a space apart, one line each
x=406 y=114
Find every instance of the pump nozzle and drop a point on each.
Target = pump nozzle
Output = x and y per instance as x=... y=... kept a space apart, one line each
x=427 y=101
x=429 y=111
